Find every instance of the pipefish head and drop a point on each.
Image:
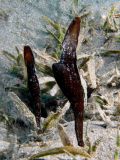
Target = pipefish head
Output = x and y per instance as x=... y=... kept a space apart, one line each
x=70 y=42
x=73 y=32
x=74 y=28
x=28 y=56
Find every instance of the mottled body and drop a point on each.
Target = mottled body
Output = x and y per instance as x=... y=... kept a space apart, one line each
x=68 y=79
x=33 y=84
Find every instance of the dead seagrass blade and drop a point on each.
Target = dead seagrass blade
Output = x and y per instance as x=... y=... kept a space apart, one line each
x=33 y=84
x=67 y=76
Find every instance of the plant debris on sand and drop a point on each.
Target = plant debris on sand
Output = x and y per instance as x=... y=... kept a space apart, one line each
x=98 y=65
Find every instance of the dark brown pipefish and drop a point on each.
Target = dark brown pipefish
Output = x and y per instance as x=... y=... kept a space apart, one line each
x=68 y=79
x=33 y=84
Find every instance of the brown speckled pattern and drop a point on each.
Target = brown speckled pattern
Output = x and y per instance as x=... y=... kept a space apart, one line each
x=67 y=76
x=33 y=83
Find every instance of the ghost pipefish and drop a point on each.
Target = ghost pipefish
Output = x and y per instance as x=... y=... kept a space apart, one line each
x=33 y=84
x=68 y=79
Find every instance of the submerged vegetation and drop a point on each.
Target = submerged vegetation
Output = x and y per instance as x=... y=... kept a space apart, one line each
x=116 y=154
x=103 y=102
x=110 y=24
x=57 y=35
x=70 y=150
x=18 y=67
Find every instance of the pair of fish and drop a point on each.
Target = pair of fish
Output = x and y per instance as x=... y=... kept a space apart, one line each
x=66 y=75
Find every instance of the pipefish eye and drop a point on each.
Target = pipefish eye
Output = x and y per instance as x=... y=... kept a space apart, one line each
x=28 y=55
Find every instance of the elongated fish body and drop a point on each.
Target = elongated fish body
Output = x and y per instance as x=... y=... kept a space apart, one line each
x=68 y=79
x=33 y=84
